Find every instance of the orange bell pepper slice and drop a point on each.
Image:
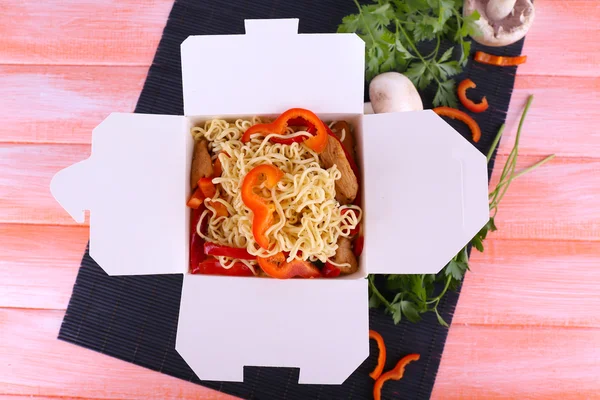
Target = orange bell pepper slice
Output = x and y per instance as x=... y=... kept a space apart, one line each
x=317 y=142
x=395 y=374
x=461 y=116
x=382 y=354
x=220 y=209
x=196 y=200
x=501 y=61
x=262 y=210
x=468 y=103
x=277 y=267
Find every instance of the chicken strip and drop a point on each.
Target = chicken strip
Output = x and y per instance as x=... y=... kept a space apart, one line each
x=341 y=129
x=346 y=187
x=201 y=164
x=344 y=255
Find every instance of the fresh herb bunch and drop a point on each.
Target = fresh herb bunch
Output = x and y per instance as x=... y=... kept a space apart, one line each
x=414 y=295
x=392 y=29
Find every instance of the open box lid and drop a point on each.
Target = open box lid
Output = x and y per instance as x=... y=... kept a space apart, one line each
x=136 y=197
x=426 y=192
x=270 y=69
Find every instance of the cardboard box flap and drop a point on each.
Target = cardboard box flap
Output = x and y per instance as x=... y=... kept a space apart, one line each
x=270 y=69
x=426 y=192
x=134 y=185
x=318 y=325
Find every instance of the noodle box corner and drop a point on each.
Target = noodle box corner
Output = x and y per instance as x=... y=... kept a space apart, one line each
x=424 y=197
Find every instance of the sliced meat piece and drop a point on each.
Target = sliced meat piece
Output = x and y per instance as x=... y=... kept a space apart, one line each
x=201 y=163
x=345 y=255
x=348 y=142
x=346 y=187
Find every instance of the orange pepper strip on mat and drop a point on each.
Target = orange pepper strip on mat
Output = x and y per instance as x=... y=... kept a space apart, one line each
x=394 y=374
x=501 y=61
x=262 y=210
x=316 y=142
x=468 y=103
x=461 y=116
x=382 y=352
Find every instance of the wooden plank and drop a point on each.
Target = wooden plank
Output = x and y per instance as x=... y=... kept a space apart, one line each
x=81 y=32
x=54 y=104
x=83 y=96
x=34 y=362
x=39 y=264
x=565 y=187
x=544 y=283
x=558 y=201
x=564 y=116
x=479 y=362
x=519 y=363
x=560 y=41
x=25 y=185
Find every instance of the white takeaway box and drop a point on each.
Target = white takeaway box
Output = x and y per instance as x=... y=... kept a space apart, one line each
x=425 y=197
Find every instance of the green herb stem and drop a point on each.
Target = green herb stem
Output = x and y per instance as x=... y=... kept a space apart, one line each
x=412 y=45
x=379 y=295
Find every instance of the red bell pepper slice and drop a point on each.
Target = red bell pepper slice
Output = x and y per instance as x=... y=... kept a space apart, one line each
x=263 y=213
x=468 y=103
x=359 y=245
x=330 y=271
x=196 y=241
x=356 y=230
x=207 y=187
x=316 y=142
x=277 y=267
x=196 y=200
x=212 y=266
x=461 y=116
x=214 y=249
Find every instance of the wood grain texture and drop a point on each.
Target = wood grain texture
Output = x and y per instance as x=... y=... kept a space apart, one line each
x=519 y=363
x=33 y=361
x=561 y=40
x=62 y=104
x=39 y=264
x=566 y=187
x=557 y=201
x=25 y=182
x=562 y=119
x=531 y=282
x=558 y=285
x=116 y=32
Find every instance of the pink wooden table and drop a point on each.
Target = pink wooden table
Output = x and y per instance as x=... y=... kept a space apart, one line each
x=528 y=321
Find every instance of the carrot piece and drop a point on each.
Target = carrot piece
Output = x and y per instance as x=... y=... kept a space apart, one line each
x=382 y=353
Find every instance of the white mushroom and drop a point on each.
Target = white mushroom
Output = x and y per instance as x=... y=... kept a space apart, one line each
x=393 y=92
x=501 y=22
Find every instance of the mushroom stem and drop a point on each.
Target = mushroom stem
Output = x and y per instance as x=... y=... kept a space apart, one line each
x=497 y=10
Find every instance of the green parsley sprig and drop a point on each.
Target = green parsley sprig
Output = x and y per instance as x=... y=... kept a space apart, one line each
x=414 y=295
x=392 y=29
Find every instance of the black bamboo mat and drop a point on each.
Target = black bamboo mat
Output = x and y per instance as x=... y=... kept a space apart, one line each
x=134 y=318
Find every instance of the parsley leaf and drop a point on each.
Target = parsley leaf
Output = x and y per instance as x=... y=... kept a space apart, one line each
x=392 y=29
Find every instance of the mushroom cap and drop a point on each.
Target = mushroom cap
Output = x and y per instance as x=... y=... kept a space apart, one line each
x=393 y=92
x=506 y=31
